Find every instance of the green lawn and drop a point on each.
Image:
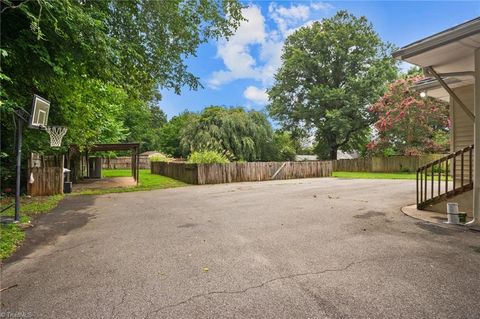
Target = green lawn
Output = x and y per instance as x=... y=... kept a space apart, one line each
x=12 y=235
x=148 y=181
x=368 y=175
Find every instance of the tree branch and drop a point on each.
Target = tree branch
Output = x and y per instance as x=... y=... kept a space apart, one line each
x=347 y=138
x=11 y=6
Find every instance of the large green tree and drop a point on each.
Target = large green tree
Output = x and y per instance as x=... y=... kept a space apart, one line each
x=234 y=132
x=332 y=70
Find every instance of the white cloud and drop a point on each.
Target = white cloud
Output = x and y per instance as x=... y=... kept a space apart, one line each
x=286 y=17
x=266 y=38
x=256 y=95
x=321 y=6
x=235 y=52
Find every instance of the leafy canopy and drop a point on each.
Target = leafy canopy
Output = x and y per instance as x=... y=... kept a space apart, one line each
x=101 y=63
x=409 y=124
x=234 y=132
x=331 y=72
x=285 y=148
x=171 y=133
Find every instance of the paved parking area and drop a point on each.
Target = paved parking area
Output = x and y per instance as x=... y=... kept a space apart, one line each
x=104 y=183
x=313 y=248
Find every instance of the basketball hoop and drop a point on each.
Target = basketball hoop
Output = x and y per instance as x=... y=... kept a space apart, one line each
x=56 y=134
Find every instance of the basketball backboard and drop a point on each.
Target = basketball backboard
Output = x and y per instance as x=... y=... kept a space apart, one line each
x=39 y=115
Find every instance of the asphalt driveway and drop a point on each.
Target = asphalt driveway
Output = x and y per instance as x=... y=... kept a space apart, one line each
x=313 y=248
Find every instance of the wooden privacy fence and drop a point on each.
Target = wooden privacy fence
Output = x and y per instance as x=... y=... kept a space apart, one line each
x=241 y=172
x=47 y=181
x=384 y=164
x=45 y=175
x=125 y=162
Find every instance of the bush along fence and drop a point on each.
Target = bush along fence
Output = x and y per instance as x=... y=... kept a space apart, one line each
x=200 y=174
x=384 y=164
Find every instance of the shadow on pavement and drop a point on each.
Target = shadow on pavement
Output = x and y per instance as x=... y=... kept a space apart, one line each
x=71 y=213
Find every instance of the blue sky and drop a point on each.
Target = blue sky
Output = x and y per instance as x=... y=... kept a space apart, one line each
x=237 y=72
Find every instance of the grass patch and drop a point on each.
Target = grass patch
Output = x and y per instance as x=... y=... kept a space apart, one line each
x=148 y=181
x=368 y=175
x=12 y=235
x=34 y=206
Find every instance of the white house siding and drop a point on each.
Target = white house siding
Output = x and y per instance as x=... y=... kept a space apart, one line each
x=462 y=136
x=462 y=125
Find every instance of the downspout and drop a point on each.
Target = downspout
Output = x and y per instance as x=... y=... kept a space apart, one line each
x=476 y=141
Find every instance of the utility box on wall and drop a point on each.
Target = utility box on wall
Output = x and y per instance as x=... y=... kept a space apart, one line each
x=95 y=167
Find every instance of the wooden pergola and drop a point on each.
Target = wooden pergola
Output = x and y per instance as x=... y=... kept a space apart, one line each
x=134 y=148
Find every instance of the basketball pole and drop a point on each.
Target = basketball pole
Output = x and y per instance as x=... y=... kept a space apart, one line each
x=19 y=114
x=19 y=168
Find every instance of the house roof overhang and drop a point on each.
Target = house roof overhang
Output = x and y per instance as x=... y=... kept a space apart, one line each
x=434 y=89
x=447 y=52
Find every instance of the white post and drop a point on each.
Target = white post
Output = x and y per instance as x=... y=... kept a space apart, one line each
x=476 y=142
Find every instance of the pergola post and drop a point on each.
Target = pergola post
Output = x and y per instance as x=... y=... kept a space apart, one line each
x=138 y=164
x=476 y=141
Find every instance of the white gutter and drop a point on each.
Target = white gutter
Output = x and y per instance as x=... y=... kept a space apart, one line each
x=456 y=33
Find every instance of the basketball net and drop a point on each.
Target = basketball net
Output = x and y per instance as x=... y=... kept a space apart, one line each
x=56 y=134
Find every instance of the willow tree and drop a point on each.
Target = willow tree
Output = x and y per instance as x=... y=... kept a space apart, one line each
x=234 y=132
x=331 y=71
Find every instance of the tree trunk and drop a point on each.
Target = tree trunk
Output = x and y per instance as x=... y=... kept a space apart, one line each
x=333 y=153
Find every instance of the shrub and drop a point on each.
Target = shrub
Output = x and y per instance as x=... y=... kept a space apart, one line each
x=207 y=157
x=405 y=170
x=159 y=157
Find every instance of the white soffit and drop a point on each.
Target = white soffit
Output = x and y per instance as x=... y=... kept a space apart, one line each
x=434 y=89
x=453 y=57
x=449 y=51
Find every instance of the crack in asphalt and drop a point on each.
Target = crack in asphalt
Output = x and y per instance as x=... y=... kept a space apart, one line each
x=228 y=292
x=69 y=248
x=124 y=295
